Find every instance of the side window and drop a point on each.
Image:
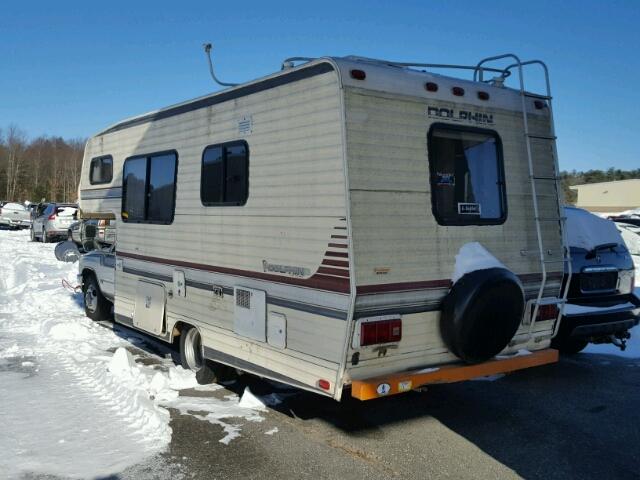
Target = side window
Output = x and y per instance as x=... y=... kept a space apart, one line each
x=101 y=170
x=225 y=174
x=149 y=187
x=467 y=176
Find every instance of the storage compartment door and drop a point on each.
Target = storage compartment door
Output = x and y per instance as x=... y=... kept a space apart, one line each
x=148 y=313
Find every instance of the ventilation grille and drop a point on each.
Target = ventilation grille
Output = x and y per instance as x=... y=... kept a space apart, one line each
x=243 y=298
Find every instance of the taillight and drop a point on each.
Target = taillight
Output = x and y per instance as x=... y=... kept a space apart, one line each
x=547 y=312
x=381 y=331
x=324 y=384
x=358 y=74
x=457 y=91
x=52 y=216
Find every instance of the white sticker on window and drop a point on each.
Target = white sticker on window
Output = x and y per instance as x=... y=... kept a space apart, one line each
x=469 y=208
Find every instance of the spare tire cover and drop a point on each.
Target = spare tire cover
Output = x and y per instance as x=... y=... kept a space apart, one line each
x=481 y=314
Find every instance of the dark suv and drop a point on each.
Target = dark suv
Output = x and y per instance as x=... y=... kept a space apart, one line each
x=601 y=305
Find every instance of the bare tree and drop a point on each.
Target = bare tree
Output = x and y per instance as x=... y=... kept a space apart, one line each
x=15 y=145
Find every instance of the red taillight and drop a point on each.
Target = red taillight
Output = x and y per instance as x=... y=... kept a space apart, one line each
x=52 y=216
x=483 y=95
x=539 y=104
x=547 y=312
x=431 y=87
x=457 y=91
x=324 y=384
x=358 y=74
x=382 y=331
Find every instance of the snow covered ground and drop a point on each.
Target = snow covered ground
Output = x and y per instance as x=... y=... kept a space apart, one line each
x=73 y=400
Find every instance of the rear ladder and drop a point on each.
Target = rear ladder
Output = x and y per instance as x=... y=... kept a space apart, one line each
x=565 y=261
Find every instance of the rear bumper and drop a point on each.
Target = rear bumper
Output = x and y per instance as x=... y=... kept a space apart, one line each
x=56 y=233
x=387 y=385
x=605 y=319
x=15 y=223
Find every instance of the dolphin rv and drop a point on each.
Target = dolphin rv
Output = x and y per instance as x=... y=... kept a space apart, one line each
x=306 y=226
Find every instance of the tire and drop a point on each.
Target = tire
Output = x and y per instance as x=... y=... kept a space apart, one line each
x=569 y=345
x=96 y=307
x=481 y=314
x=33 y=235
x=192 y=358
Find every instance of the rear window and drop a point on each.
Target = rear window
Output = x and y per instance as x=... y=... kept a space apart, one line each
x=101 y=170
x=467 y=176
x=66 y=211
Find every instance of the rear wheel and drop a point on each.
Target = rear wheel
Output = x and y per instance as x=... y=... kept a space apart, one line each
x=96 y=307
x=192 y=358
x=33 y=235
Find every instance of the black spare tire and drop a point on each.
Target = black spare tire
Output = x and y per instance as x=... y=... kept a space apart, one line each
x=481 y=314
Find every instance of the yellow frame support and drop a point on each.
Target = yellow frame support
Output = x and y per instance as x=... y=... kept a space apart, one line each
x=393 y=384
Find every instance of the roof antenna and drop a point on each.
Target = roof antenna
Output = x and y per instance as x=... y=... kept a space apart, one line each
x=207 y=50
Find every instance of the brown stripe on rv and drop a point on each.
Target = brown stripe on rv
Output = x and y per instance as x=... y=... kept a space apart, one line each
x=443 y=283
x=334 y=271
x=316 y=281
x=343 y=237
x=337 y=254
x=335 y=263
x=339 y=245
x=398 y=287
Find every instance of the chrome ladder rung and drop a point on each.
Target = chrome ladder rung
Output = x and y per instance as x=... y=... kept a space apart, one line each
x=541 y=137
x=537 y=95
x=544 y=177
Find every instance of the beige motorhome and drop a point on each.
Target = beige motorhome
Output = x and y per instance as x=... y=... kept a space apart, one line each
x=306 y=226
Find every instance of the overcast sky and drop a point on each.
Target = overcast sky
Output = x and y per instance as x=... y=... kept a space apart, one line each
x=73 y=68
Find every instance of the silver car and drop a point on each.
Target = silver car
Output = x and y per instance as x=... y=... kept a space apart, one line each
x=15 y=215
x=52 y=221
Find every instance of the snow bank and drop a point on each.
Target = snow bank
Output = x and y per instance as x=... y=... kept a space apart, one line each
x=586 y=230
x=471 y=257
x=103 y=411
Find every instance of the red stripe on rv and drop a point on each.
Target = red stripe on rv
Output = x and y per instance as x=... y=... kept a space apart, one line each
x=316 y=281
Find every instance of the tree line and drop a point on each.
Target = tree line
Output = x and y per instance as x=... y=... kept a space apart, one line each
x=40 y=168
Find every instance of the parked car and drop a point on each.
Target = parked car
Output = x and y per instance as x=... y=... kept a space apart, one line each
x=53 y=220
x=15 y=215
x=631 y=236
x=601 y=306
x=630 y=220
